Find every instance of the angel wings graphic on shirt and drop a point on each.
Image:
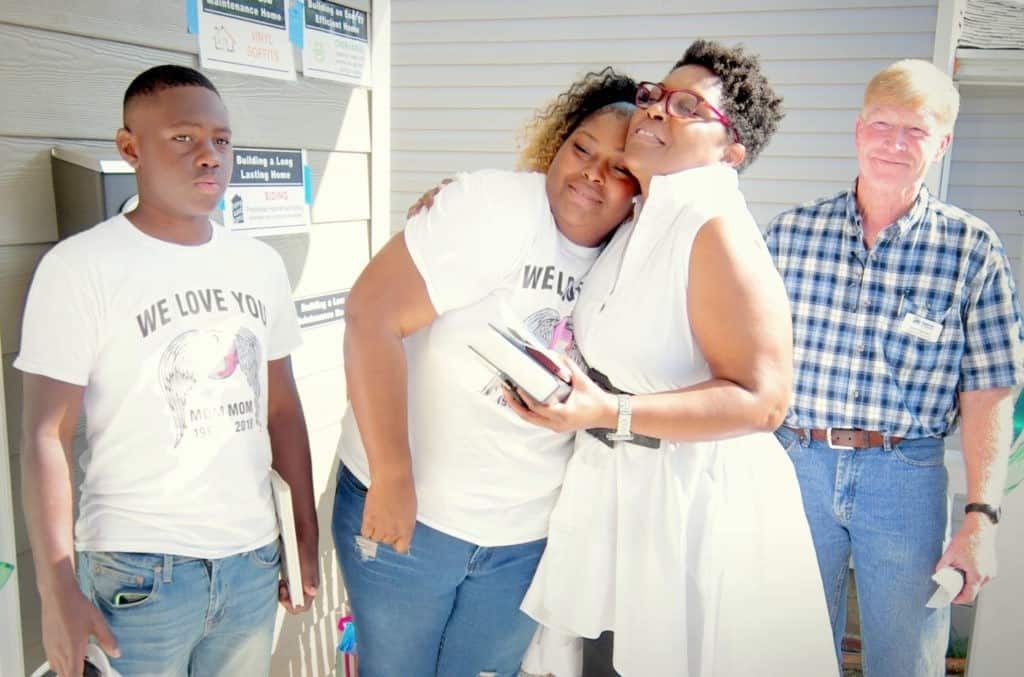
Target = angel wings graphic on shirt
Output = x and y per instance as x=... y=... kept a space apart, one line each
x=200 y=355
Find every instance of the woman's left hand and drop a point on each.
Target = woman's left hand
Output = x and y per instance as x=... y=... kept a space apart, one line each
x=587 y=406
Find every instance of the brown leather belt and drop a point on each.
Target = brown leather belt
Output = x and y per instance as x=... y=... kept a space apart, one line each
x=846 y=438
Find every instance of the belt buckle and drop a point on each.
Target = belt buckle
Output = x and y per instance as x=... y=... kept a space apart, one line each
x=828 y=439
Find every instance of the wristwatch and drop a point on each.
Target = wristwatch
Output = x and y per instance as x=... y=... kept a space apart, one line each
x=986 y=509
x=622 y=432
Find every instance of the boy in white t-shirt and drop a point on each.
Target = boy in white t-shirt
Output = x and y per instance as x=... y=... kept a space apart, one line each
x=173 y=335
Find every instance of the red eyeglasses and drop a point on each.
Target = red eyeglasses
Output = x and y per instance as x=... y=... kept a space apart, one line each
x=680 y=103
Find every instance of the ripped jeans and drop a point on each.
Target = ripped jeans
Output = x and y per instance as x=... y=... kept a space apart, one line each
x=448 y=607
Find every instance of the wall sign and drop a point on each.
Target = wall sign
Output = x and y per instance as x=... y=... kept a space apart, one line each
x=244 y=36
x=269 y=192
x=317 y=310
x=336 y=44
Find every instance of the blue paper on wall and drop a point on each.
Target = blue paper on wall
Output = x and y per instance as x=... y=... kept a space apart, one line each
x=192 y=15
x=296 y=23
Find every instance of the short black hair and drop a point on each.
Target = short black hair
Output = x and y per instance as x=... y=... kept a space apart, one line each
x=750 y=103
x=159 y=78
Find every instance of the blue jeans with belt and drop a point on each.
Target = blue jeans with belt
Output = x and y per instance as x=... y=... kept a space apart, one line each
x=448 y=608
x=176 y=616
x=888 y=508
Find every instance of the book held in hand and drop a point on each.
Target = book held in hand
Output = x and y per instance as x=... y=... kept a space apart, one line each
x=290 y=568
x=521 y=361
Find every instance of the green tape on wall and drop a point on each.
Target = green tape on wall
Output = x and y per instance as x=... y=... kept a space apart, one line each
x=5 y=573
x=1015 y=475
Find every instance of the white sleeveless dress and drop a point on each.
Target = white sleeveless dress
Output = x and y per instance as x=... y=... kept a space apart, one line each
x=697 y=555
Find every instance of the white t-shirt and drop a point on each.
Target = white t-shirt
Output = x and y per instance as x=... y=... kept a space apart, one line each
x=171 y=343
x=488 y=246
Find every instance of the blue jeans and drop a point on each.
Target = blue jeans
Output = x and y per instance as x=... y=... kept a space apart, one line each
x=448 y=607
x=888 y=508
x=175 y=616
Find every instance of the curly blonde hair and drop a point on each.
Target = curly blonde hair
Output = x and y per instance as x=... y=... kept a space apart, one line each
x=606 y=90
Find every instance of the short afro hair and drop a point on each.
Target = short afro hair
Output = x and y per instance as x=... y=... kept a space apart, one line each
x=750 y=103
x=159 y=78
x=603 y=91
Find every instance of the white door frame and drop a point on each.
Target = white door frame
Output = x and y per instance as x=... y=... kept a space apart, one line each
x=948 y=25
x=380 y=126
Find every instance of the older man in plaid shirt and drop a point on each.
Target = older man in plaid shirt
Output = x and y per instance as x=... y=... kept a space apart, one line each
x=906 y=323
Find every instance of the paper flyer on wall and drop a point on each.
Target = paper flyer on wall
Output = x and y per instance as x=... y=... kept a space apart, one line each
x=246 y=36
x=314 y=311
x=336 y=44
x=268 y=193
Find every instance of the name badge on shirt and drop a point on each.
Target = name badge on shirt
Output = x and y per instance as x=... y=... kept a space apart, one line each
x=920 y=327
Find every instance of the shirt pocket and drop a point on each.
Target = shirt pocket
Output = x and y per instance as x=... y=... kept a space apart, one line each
x=910 y=354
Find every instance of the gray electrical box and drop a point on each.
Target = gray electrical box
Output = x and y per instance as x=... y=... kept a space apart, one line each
x=90 y=185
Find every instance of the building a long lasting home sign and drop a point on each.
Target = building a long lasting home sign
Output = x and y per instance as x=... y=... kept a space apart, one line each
x=268 y=193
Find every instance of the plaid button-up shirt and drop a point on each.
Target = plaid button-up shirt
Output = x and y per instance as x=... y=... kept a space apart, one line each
x=885 y=338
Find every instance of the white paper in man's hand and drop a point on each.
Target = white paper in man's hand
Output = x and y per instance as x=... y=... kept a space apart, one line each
x=950 y=582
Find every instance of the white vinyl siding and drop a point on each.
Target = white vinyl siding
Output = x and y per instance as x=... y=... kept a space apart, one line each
x=466 y=76
x=986 y=175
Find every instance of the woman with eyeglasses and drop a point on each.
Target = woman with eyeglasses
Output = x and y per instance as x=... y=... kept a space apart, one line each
x=680 y=526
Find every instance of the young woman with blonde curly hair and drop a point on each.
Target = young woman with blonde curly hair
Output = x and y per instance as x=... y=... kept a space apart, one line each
x=444 y=494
